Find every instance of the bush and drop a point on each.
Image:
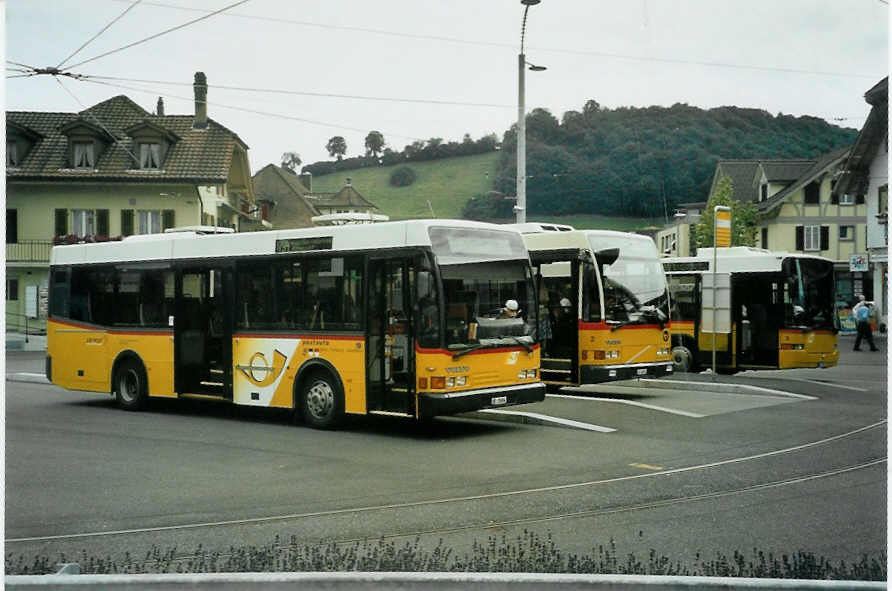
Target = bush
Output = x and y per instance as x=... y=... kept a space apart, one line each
x=402 y=176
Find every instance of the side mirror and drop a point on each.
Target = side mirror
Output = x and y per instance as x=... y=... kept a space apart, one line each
x=607 y=256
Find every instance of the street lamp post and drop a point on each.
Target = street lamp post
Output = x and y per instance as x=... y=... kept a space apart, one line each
x=520 y=208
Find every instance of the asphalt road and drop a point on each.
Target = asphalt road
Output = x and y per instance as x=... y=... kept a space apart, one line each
x=797 y=461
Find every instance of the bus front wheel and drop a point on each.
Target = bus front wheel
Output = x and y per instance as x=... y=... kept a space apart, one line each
x=322 y=402
x=131 y=385
x=682 y=359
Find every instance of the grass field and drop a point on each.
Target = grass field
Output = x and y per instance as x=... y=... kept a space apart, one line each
x=442 y=187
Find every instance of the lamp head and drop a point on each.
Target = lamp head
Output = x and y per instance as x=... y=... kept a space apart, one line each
x=536 y=68
x=530 y=2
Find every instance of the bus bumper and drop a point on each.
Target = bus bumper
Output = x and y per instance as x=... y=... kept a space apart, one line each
x=595 y=374
x=449 y=403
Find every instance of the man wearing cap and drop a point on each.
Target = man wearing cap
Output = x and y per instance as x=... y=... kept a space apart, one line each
x=510 y=309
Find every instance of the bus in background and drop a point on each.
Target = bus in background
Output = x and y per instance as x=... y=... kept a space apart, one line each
x=398 y=318
x=781 y=312
x=604 y=305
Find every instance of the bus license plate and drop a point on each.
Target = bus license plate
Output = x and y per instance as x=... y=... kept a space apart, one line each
x=642 y=371
x=499 y=400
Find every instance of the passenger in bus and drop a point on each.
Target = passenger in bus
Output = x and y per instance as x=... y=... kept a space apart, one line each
x=511 y=309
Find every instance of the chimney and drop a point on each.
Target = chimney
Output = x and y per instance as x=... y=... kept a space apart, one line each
x=306 y=179
x=201 y=97
x=347 y=183
x=159 y=109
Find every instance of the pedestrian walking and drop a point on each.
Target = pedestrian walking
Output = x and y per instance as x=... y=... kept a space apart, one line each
x=862 y=320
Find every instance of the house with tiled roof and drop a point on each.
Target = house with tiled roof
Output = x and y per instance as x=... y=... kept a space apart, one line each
x=112 y=170
x=866 y=172
x=294 y=204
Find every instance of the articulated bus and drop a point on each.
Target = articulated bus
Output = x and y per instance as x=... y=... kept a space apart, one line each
x=604 y=305
x=398 y=318
x=778 y=308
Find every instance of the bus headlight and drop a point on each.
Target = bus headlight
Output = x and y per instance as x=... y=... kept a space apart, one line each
x=792 y=346
x=526 y=374
x=450 y=382
x=461 y=381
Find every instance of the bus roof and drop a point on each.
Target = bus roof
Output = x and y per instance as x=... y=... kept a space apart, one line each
x=192 y=245
x=574 y=238
x=735 y=259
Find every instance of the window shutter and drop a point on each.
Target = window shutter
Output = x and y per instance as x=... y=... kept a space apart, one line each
x=61 y=222
x=126 y=222
x=859 y=199
x=102 y=222
x=167 y=219
x=765 y=238
x=800 y=238
x=825 y=237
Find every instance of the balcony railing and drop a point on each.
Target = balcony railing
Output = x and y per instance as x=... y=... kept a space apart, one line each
x=29 y=251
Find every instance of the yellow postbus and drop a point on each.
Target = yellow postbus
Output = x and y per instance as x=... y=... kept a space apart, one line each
x=604 y=305
x=398 y=318
x=774 y=310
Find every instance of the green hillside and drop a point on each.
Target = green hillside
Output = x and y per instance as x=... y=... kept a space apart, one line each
x=447 y=184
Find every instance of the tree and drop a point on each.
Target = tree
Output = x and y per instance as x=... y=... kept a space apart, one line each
x=374 y=143
x=743 y=217
x=337 y=147
x=290 y=161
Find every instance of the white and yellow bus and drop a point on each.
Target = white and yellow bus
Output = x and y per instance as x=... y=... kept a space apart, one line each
x=398 y=318
x=604 y=305
x=779 y=310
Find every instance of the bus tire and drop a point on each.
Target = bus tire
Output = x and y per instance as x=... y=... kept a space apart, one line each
x=321 y=401
x=682 y=359
x=130 y=385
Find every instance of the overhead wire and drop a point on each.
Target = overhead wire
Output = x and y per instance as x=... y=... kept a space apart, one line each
x=511 y=46
x=156 y=35
x=96 y=119
x=249 y=110
x=104 y=29
x=307 y=93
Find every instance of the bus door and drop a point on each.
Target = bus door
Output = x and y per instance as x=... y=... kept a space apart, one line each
x=203 y=331
x=390 y=348
x=558 y=278
x=758 y=311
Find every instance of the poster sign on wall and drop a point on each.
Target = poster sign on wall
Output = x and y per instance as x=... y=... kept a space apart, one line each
x=858 y=262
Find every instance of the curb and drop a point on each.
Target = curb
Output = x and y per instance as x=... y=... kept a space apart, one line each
x=30 y=378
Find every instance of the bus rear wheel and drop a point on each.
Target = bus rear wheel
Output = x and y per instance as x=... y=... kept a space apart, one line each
x=682 y=359
x=131 y=385
x=322 y=402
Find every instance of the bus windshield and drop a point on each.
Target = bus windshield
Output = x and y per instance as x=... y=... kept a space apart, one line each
x=475 y=295
x=809 y=293
x=635 y=289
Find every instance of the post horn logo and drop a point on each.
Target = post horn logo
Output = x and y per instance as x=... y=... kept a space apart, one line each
x=259 y=371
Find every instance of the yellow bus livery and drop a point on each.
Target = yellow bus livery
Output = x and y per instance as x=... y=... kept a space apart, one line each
x=399 y=318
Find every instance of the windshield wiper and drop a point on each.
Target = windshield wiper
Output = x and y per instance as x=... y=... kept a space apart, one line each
x=467 y=349
x=621 y=323
x=525 y=345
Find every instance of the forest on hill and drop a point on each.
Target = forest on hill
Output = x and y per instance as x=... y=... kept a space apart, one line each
x=642 y=161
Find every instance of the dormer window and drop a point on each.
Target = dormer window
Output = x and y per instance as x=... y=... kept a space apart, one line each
x=150 y=156
x=12 y=154
x=764 y=192
x=84 y=155
x=151 y=144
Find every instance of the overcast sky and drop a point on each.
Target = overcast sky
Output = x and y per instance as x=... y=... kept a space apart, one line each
x=447 y=67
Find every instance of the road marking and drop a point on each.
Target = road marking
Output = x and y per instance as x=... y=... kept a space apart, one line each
x=683 y=413
x=549 y=419
x=509 y=493
x=829 y=384
x=645 y=466
x=768 y=391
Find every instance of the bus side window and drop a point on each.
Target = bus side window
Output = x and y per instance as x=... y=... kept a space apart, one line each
x=59 y=292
